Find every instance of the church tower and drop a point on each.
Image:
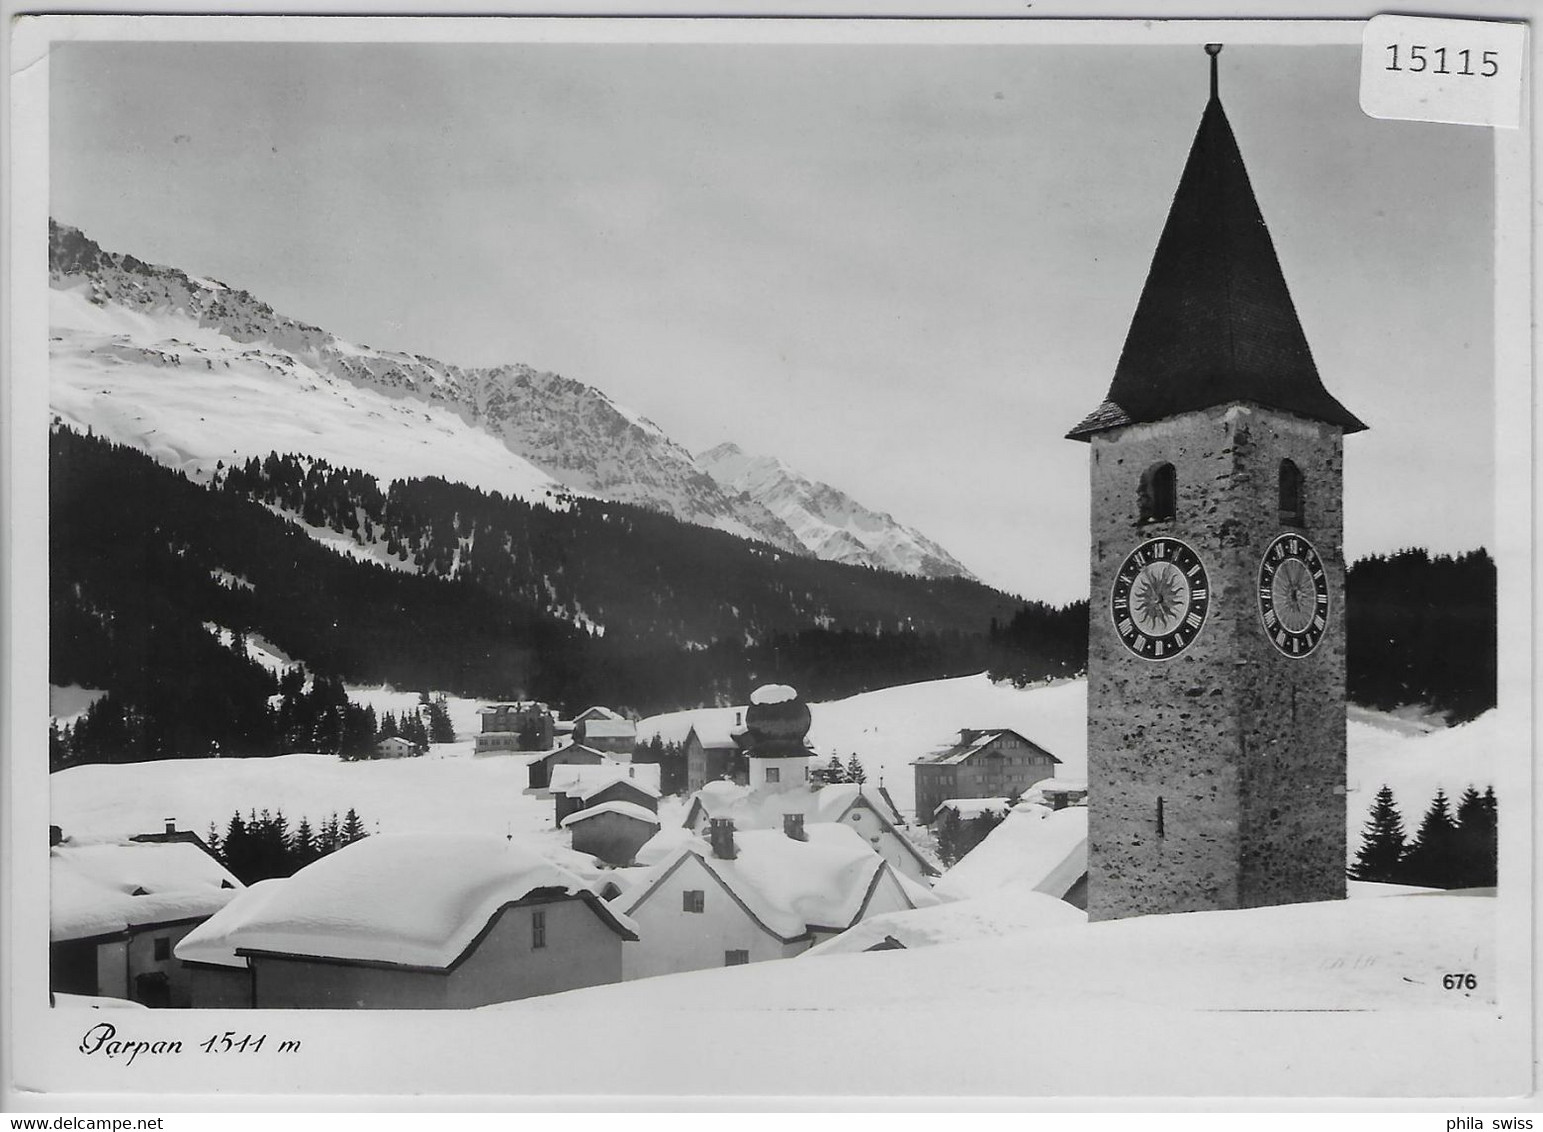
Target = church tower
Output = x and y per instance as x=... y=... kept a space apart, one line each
x=1216 y=650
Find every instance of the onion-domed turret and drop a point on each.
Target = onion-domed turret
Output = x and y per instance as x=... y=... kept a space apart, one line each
x=776 y=723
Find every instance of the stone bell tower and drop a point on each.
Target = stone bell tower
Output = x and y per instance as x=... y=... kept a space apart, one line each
x=1216 y=650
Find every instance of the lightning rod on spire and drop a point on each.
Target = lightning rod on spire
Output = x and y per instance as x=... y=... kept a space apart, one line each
x=1213 y=50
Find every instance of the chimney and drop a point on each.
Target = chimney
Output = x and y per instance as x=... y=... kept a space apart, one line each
x=793 y=826
x=720 y=834
x=171 y=825
x=968 y=734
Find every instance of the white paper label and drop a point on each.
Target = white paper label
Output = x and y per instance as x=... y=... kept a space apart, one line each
x=1467 y=72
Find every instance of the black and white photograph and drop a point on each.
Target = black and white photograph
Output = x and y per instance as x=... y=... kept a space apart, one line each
x=628 y=558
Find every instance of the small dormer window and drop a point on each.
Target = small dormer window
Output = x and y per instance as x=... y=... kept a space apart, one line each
x=1159 y=487
x=1292 y=505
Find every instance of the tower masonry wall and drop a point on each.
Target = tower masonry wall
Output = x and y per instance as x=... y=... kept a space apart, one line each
x=1292 y=708
x=1243 y=746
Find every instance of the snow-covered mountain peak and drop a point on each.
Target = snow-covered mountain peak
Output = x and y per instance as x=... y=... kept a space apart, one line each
x=830 y=523
x=195 y=371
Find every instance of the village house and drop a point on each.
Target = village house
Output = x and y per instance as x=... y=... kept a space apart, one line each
x=575 y=786
x=780 y=785
x=1058 y=793
x=745 y=897
x=714 y=750
x=217 y=977
x=395 y=747
x=968 y=809
x=602 y=729
x=408 y=921
x=612 y=831
x=858 y=807
x=521 y=726
x=542 y=768
x=1035 y=849
x=117 y=910
x=982 y=764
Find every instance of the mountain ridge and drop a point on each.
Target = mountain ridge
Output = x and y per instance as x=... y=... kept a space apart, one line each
x=832 y=524
x=510 y=428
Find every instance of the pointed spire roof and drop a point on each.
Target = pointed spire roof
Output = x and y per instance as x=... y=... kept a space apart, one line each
x=1215 y=323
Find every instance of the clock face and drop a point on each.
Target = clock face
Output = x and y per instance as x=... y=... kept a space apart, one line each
x=1293 y=595
x=1160 y=598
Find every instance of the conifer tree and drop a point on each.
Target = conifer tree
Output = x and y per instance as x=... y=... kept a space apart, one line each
x=415 y=732
x=353 y=828
x=302 y=845
x=1477 y=844
x=854 y=771
x=1432 y=859
x=1382 y=842
x=236 y=850
x=834 y=772
x=441 y=730
x=328 y=839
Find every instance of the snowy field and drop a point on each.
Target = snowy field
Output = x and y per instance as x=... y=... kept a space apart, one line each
x=1201 y=1003
x=451 y=790
x=1348 y=954
x=887 y=729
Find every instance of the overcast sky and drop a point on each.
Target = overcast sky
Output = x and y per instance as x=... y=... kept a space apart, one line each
x=906 y=271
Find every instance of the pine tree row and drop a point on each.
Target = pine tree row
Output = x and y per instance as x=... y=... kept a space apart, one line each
x=262 y=846
x=1448 y=851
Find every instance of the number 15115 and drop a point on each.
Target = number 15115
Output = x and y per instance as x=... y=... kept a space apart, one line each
x=1416 y=60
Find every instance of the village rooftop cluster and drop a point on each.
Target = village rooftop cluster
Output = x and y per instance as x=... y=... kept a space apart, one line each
x=769 y=862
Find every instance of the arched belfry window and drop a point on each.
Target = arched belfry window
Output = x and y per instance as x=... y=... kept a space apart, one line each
x=1292 y=508
x=1159 y=487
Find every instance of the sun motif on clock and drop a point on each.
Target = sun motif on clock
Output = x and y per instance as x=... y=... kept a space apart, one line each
x=1293 y=595
x=1160 y=598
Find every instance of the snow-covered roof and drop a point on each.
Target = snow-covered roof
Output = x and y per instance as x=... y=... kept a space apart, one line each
x=596 y=712
x=1010 y=912
x=1060 y=786
x=773 y=694
x=967 y=808
x=765 y=807
x=667 y=842
x=715 y=727
x=625 y=809
x=210 y=942
x=790 y=886
x=516 y=706
x=977 y=742
x=414 y=899
x=622 y=882
x=604 y=756
x=1034 y=848
x=109 y=887
x=576 y=780
x=716 y=733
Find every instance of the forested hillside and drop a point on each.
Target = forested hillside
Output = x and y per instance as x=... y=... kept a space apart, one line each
x=596 y=603
x=1422 y=630
x=506 y=600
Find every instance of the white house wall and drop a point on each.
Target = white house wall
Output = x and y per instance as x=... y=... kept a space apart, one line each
x=672 y=939
x=885 y=842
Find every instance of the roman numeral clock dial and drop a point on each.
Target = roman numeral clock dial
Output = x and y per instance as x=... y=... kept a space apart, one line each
x=1293 y=595
x=1160 y=598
